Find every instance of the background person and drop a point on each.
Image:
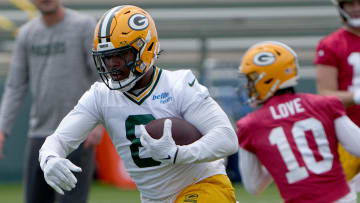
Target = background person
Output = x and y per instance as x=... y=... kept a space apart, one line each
x=337 y=64
x=296 y=142
x=52 y=60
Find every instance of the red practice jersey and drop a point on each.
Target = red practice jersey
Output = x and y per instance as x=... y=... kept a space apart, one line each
x=341 y=49
x=293 y=136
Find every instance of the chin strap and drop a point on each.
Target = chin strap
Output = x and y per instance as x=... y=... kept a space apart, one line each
x=353 y=22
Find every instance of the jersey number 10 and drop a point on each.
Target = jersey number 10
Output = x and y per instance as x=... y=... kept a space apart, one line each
x=295 y=172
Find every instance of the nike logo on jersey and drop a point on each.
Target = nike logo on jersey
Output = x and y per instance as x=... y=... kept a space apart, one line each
x=192 y=83
x=167 y=158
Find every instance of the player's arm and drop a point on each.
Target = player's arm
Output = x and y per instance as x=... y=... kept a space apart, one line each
x=219 y=138
x=348 y=133
x=17 y=82
x=197 y=107
x=218 y=141
x=15 y=90
x=71 y=132
x=254 y=176
x=327 y=84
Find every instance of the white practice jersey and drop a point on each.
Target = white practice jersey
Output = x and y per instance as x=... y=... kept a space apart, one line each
x=170 y=94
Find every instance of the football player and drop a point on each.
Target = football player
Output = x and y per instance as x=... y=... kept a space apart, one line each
x=296 y=142
x=337 y=64
x=132 y=93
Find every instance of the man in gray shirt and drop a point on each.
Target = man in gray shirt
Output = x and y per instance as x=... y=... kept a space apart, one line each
x=52 y=59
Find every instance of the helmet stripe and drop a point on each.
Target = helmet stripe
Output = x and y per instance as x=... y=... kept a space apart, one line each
x=99 y=29
x=104 y=29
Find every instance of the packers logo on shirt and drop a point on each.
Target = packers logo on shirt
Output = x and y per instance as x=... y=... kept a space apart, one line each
x=191 y=198
x=50 y=49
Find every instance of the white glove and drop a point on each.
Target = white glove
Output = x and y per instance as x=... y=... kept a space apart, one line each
x=163 y=149
x=57 y=173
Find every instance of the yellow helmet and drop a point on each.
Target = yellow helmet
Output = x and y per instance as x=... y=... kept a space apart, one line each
x=268 y=67
x=125 y=28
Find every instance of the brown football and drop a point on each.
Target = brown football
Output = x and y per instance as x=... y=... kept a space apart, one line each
x=183 y=132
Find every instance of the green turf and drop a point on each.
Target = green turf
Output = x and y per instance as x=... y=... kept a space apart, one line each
x=11 y=193
x=106 y=194
x=270 y=195
x=101 y=193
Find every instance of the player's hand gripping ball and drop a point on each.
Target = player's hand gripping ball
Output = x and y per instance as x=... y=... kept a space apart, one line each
x=183 y=132
x=162 y=138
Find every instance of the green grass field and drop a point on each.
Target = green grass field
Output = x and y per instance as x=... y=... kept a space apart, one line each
x=101 y=193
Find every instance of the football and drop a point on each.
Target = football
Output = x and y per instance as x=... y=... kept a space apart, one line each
x=183 y=132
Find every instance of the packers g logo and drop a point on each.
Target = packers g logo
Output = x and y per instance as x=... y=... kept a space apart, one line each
x=138 y=22
x=264 y=59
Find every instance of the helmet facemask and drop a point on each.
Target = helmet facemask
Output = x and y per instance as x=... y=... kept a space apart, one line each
x=255 y=87
x=109 y=76
x=247 y=84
